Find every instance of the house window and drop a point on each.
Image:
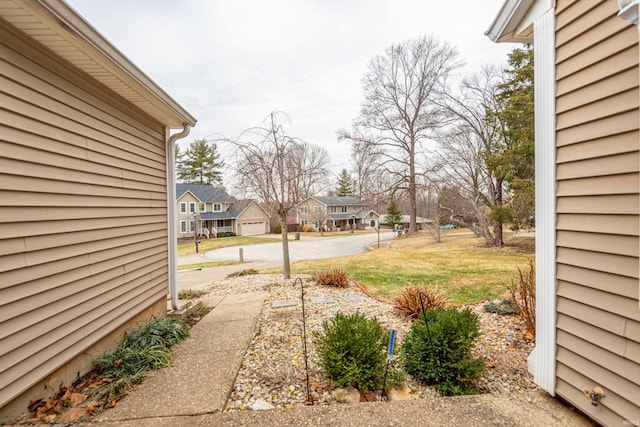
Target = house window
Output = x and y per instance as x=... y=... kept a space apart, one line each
x=183 y=207
x=203 y=207
x=373 y=223
x=216 y=207
x=192 y=226
x=183 y=226
x=334 y=209
x=318 y=209
x=355 y=208
x=192 y=207
x=304 y=210
x=317 y=224
x=344 y=209
x=304 y=222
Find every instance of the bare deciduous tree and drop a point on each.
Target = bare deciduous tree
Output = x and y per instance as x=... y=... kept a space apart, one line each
x=279 y=169
x=402 y=109
x=469 y=146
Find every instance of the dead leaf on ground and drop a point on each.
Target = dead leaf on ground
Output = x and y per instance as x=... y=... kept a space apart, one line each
x=76 y=398
x=72 y=415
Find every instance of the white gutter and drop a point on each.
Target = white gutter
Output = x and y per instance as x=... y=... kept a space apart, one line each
x=171 y=215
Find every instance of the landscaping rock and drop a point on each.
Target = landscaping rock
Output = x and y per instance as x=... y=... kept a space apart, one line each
x=348 y=395
x=403 y=393
x=260 y=405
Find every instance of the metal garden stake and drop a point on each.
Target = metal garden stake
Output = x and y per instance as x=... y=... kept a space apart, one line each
x=422 y=293
x=304 y=339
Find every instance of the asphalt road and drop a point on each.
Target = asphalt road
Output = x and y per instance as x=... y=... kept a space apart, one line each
x=268 y=255
x=307 y=248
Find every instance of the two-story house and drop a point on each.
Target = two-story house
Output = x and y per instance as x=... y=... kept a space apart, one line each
x=343 y=212
x=207 y=211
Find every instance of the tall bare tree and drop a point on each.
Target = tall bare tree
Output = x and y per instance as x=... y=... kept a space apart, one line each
x=279 y=169
x=469 y=146
x=402 y=109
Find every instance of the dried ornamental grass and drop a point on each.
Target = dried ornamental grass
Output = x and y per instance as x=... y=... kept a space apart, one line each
x=523 y=293
x=407 y=302
x=336 y=277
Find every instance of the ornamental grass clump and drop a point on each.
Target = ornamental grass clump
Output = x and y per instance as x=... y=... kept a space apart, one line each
x=523 y=294
x=352 y=351
x=438 y=352
x=140 y=349
x=407 y=302
x=336 y=277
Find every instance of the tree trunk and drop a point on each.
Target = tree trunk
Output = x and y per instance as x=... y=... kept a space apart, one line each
x=413 y=203
x=286 y=267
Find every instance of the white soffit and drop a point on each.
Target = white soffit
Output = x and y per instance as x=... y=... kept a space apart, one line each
x=61 y=30
x=514 y=22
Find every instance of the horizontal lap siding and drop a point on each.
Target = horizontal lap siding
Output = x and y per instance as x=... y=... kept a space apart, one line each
x=83 y=239
x=597 y=209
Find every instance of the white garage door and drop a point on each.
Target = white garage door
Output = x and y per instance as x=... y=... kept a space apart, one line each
x=252 y=228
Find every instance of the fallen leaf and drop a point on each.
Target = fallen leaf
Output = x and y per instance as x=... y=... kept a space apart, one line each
x=72 y=415
x=117 y=363
x=76 y=398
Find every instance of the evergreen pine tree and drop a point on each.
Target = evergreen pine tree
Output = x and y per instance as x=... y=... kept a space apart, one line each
x=200 y=164
x=345 y=184
x=394 y=217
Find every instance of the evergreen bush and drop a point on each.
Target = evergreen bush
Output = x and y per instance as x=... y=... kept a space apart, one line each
x=440 y=354
x=352 y=351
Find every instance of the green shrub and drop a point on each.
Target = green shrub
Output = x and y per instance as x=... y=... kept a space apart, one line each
x=440 y=355
x=226 y=234
x=352 y=351
x=503 y=307
x=277 y=229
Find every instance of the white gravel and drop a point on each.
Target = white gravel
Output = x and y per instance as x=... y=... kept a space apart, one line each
x=273 y=369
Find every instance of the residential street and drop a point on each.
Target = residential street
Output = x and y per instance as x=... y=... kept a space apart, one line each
x=267 y=255
x=307 y=248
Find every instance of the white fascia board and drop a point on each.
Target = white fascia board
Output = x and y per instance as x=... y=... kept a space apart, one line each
x=514 y=22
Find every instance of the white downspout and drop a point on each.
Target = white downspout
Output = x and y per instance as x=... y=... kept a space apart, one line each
x=171 y=215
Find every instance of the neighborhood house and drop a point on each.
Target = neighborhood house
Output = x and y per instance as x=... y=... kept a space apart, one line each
x=208 y=210
x=340 y=212
x=87 y=243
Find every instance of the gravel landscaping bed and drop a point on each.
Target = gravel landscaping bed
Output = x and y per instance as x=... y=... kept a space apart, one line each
x=273 y=368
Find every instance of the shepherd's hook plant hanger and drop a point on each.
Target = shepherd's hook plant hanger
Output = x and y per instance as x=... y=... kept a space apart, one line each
x=304 y=339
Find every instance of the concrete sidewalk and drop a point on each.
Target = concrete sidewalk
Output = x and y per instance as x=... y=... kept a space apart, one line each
x=203 y=368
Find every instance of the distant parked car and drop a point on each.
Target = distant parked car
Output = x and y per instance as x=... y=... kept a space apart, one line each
x=446 y=227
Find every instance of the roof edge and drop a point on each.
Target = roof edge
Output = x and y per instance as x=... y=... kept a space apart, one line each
x=73 y=23
x=505 y=23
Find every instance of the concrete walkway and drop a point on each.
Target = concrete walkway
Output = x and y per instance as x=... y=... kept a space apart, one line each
x=193 y=391
x=203 y=368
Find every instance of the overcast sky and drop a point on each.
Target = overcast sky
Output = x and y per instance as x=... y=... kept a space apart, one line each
x=230 y=63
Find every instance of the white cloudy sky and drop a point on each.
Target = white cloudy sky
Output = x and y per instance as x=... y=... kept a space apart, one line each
x=231 y=62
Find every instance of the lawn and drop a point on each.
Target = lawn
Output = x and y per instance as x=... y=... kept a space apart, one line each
x=210 y=244
x=461 y=264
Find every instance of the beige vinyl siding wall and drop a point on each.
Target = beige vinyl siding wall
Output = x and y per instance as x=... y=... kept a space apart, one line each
x=598 y=325
x=83 y=218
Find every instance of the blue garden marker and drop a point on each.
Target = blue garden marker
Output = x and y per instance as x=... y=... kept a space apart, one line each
x=392 y=343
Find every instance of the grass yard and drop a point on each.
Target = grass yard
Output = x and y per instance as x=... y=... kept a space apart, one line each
x=210 y=244
x=461 y=264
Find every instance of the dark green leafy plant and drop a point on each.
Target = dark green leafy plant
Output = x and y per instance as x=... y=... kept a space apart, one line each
x=503 y=307
x=440 y=355
x=352 y=351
